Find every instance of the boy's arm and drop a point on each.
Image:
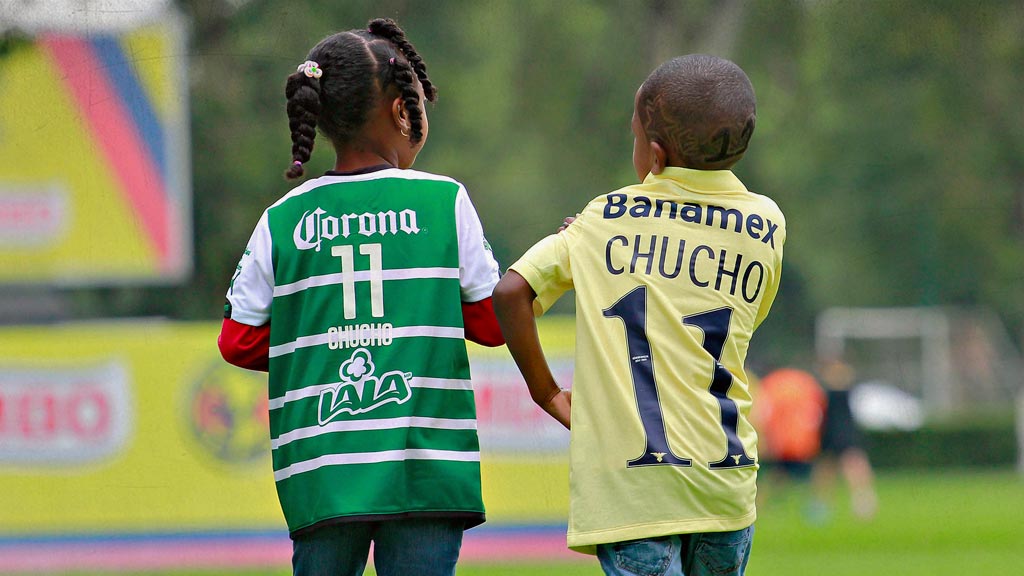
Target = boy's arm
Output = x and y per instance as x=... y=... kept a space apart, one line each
x=513 y=303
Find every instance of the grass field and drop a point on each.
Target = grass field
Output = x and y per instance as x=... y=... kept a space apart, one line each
x=927 y=524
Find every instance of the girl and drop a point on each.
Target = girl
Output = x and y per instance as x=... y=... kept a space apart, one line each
x=355 y=291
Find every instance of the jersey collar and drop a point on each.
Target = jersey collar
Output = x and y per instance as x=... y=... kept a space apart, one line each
x=708 y=181
x=366 y=170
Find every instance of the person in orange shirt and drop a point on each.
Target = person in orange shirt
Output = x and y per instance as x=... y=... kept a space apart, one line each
x=790 y=410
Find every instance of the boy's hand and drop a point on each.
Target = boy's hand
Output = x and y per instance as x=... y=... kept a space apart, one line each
x=559 y=406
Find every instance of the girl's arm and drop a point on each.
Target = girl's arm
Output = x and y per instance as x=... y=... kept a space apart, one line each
x=481 y=323
x=513 y=300
x=245 y=346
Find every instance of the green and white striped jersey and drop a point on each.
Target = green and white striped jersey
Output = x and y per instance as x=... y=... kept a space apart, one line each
x=362 y=278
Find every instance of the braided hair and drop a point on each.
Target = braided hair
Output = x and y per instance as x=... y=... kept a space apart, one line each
x=359 y=68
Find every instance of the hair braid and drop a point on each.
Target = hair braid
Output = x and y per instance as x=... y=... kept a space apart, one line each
x=359 y=69
x=388 y=29
x=404 y=81
x=303 y=95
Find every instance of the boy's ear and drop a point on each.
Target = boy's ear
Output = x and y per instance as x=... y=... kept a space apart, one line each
x=399 y=115
x=659 y=158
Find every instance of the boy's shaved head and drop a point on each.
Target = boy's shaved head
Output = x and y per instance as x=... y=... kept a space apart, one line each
x=701 y=109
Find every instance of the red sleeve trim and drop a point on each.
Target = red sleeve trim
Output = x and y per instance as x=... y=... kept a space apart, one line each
x=481 y=323
x=245 y=346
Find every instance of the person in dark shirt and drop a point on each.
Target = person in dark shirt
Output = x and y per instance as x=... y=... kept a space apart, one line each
x=842 y=446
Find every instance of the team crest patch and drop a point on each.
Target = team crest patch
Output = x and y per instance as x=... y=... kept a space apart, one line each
x=360 y=391
x=228 y=416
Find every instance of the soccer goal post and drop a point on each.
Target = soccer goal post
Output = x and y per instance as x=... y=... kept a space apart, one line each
x=907 y=347
x=952 y=360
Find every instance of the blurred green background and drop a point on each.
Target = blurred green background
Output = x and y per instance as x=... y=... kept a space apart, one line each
x=891 y=134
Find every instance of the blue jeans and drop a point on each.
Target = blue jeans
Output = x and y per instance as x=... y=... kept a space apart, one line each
x=702 y=554
x=423 y=546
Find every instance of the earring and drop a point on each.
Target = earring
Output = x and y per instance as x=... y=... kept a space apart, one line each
x=404 y=133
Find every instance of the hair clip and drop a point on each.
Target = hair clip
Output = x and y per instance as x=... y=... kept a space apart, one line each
x=297 y=162
x=391 y=61
x=310 y=69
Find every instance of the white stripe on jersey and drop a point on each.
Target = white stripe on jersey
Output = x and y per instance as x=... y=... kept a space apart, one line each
x=377 y=424
x=416 y=382
x=400 y=332
x=364 y=276
x=373 y=458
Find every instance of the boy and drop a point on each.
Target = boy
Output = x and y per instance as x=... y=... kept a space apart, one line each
x=672 y=276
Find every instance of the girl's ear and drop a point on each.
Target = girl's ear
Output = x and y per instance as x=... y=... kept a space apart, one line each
x=399 y=116
x=658 y=158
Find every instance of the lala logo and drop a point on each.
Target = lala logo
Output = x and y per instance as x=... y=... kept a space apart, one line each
x=360 y=391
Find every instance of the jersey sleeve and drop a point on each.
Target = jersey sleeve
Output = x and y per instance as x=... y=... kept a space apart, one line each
x=478 y=270
x=252 y=287
x=547 y=269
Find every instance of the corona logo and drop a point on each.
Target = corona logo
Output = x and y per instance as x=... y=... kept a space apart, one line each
x=315 y=226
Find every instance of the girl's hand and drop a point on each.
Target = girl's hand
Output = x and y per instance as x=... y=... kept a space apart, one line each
x=568 y=220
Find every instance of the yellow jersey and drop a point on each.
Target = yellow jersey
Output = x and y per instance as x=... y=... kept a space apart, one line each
x=671 y=276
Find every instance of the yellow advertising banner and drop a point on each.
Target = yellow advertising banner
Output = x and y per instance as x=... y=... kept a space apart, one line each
x=141 y=428
x=94 y=170
x=130 y=427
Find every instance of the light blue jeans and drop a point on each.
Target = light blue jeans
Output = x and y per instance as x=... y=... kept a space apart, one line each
x=421 y=546
x=703 y=554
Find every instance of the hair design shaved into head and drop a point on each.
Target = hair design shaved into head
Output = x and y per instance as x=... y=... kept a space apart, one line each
x=701 y=109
